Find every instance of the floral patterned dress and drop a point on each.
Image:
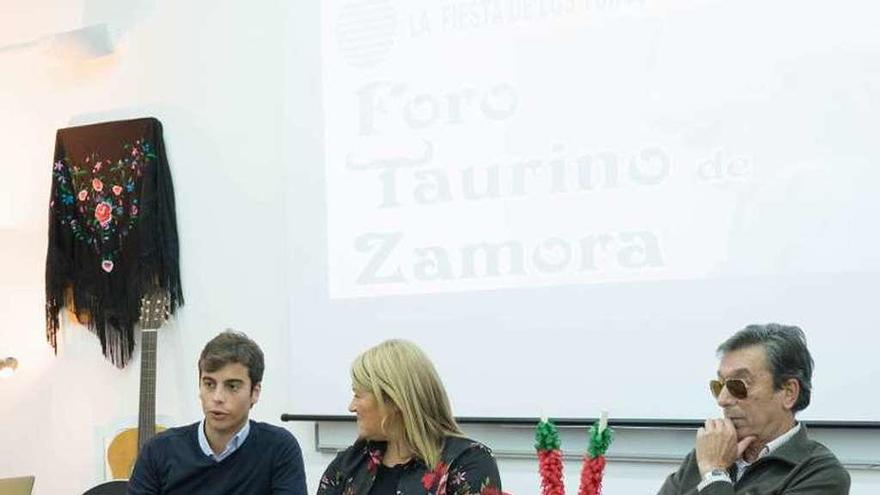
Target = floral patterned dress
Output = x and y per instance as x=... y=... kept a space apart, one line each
x=466 y=467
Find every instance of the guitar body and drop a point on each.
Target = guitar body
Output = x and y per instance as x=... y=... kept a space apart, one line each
x=125 y=446
x=123 y=451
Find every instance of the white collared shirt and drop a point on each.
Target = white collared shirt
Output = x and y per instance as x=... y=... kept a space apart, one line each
x=777 y=442
x=231 y=447
x=741 y=464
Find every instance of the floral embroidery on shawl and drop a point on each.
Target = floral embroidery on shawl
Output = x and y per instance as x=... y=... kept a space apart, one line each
x=101 y=217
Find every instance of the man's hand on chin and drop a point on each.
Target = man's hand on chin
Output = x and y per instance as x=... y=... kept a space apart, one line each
x=717 y=447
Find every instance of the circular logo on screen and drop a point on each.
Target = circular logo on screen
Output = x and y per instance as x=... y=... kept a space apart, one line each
x=365 y=31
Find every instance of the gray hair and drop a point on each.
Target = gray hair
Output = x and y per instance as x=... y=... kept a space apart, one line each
x=787 y=355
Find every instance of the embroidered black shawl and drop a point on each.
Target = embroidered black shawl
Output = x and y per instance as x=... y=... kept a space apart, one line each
x=112 y=230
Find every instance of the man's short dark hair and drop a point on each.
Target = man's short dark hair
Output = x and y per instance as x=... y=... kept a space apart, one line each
x=233 y=347
x=787 y=355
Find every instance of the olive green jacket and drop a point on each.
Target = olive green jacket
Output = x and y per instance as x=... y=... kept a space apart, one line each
x=800 y=466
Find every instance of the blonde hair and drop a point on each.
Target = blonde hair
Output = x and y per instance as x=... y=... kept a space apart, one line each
x=398 y=373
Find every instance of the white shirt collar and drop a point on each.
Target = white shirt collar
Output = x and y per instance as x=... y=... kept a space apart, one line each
x=231 y=447
x=781 y=439
x=777 y=442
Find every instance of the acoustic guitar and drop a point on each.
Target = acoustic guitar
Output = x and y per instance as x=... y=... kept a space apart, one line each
x=125 y=446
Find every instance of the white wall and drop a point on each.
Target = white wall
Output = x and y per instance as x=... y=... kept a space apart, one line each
x=213 y=72
x=231 y=83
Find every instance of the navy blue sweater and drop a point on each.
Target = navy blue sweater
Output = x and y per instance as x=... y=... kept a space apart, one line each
x=268 y=462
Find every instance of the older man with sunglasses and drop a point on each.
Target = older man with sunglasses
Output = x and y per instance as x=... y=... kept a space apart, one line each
x=764 y=379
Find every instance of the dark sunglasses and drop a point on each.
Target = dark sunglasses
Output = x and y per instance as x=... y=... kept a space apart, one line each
x=735 y=386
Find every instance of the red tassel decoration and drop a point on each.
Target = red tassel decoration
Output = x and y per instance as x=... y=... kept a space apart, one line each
x=594 y=462
x=591 y=475
x=547 y=444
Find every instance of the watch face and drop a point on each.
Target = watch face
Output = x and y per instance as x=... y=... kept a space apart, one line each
x=716 y=473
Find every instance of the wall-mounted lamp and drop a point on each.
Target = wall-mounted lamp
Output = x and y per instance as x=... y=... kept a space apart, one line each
x=8 y=366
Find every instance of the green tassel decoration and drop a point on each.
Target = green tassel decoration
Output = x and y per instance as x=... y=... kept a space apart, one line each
x=599 y=442
x=547 y=436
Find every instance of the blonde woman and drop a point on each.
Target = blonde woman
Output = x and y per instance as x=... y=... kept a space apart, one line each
x=408 y=441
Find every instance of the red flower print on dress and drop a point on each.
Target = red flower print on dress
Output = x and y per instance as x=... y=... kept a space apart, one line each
x=83 y=195
x=117 y=190
x=487 y=488
x=441 y=485
x=428 y=480
x=103 y=213
x=97 y=185
x=373 y=460
x=437 y=478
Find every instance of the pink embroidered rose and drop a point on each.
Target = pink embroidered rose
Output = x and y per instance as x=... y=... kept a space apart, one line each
x=117 y=190
x=103 y=213
x=97 y=185
x=83 y=195
x=107 y=266
x=134 y=210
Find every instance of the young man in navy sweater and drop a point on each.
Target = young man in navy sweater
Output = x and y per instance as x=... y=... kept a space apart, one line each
x=225 y=453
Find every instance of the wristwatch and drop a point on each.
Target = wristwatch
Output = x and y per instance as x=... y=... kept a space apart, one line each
x=713 y=476
x=715 y=473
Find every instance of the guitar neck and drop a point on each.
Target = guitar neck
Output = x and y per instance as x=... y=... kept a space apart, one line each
x=147 y=408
